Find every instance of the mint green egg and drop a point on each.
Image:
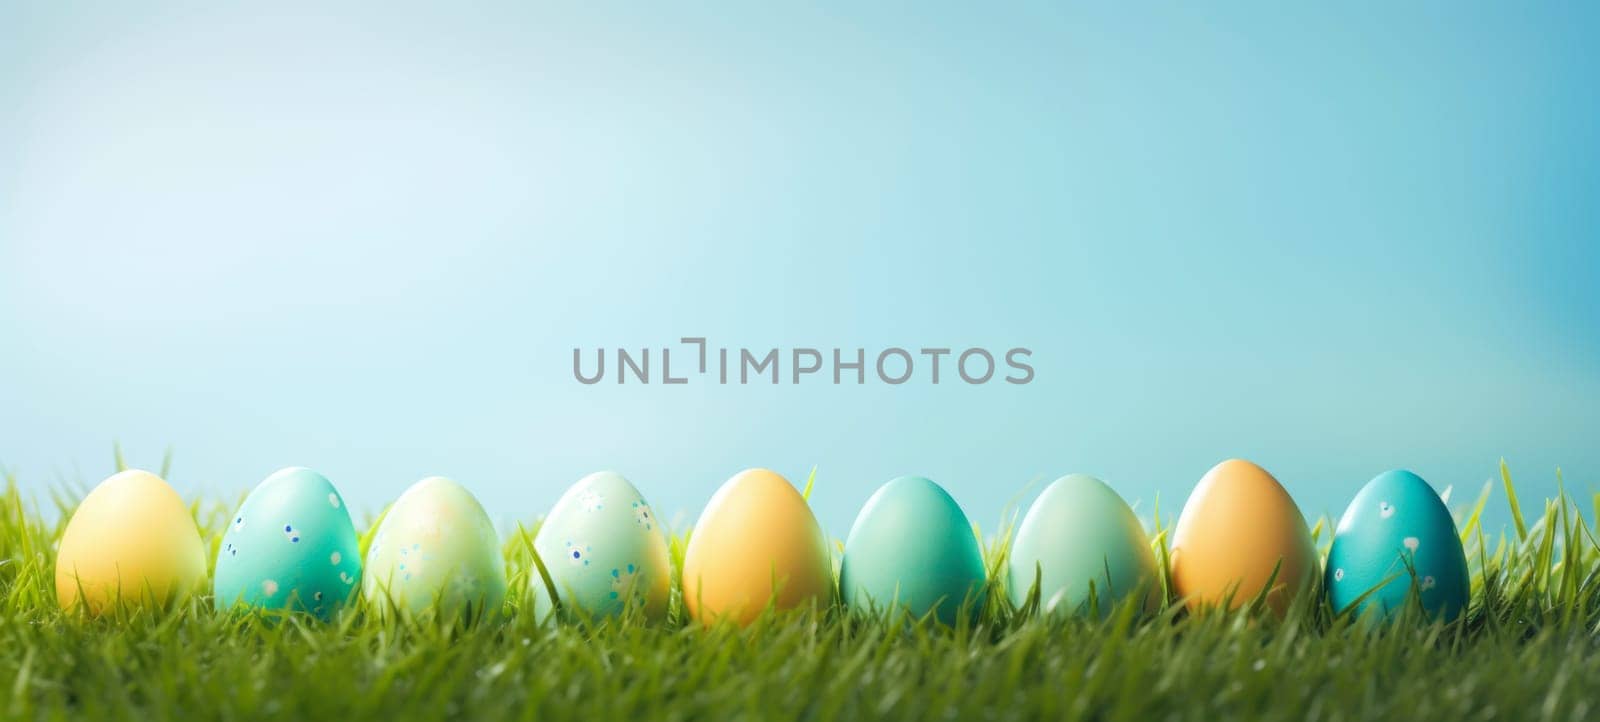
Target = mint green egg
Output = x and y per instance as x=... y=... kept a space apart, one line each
x=603 y=548
x=912 y=547
x=435 y=551
x=1079 y=536
x=290 y=545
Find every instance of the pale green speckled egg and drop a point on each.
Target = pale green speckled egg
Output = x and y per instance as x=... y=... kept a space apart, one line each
x=435 y=549
x=289 y=546
x=603 y=547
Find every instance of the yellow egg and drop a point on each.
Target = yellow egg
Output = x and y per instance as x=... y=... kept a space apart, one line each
x=1238 y=525
x=131 y=539
x=756 y=542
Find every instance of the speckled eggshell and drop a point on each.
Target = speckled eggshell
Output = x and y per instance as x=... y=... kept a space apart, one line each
x=291 y=545
x=1238 y=525
x=603 y=546
x=1080 y=534
x=132 y=540
x=435 y=549
x=757 y=541
x=1395 y=519
x=912 y=547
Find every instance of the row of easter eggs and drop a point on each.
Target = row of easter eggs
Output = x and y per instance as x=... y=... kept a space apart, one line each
x=292 y=545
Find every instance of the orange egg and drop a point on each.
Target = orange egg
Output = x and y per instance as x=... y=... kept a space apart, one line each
x=1238 y=525
x=756 y=542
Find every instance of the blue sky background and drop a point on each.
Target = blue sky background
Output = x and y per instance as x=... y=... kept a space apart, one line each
x=1332 y=240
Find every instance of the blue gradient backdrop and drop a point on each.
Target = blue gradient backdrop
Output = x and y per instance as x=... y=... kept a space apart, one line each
x=1335 y=241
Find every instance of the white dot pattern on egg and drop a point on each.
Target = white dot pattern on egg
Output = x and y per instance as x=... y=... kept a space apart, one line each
x=333 y=500
x=269 y=587
x=1338 y=575
x=1411 y=543
x=1385 y=510
x=334 y=558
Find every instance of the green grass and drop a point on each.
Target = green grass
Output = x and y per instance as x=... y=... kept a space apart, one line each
x=1526 y=649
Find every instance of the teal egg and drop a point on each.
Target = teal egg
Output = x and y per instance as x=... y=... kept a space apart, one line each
x=1079 y=536
x=1396 y=522
x=912 y=547
x=603 y=547
x=291 y=545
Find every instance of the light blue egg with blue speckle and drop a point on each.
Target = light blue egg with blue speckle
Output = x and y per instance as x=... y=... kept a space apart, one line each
x=603 y=548
x=1395 y=536
x=291 y=545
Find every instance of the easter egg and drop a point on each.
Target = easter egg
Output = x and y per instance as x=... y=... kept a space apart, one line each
x=1238 y=526
x=290 y=545
x=912 y=547
x=756 y=542
x=435 y=549
x=132 y=541
x=1080 y=538
x=1396 y=535
x=603 y=547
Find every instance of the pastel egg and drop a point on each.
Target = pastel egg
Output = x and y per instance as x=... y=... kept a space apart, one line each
x=603 y=548
x=756 y=542
x=291 y=545
x=435 y=549
x=132 y=540
x=1081 y=541
x=1396 y=536
x=912 y=547
x=1238 y=528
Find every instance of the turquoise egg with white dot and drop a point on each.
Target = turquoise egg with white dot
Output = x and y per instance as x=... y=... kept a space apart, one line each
x=291 y=545
x=603 y=549
x=1397 y=539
